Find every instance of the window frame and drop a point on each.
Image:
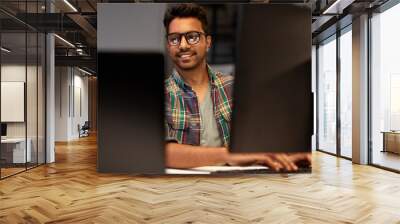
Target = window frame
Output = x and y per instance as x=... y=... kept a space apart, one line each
x=334 y=37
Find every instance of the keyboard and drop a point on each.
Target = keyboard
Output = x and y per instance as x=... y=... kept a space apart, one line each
x=264 y=171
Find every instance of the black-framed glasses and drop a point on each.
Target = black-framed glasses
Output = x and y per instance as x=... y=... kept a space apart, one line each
x=192 y=37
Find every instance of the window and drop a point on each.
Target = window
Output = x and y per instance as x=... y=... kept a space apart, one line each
x=346 y=93
x=327 y=95
x=385 y=88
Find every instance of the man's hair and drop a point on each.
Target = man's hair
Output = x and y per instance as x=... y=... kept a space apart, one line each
x=186 y=10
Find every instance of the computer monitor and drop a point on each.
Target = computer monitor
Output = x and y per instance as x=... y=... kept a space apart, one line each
x=273 y=102
x=3 y=130
x=131 y=112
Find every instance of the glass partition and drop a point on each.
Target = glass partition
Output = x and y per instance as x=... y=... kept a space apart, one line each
x=14 y=152
x=31 y=100
x=327 y=95
x=22 y=88
x=41 y=97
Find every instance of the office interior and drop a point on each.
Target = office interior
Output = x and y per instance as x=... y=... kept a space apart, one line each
x=49 y=86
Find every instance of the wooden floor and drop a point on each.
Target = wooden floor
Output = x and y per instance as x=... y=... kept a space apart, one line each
x=387 y=159
x=5 y=172
x=8 y=171
x=71 y=191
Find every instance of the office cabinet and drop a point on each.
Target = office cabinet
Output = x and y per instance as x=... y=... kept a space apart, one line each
x=391 y=142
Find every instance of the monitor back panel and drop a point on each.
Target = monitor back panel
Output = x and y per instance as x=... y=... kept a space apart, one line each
x=3 y=129
x=273 y=101
x=131 y=113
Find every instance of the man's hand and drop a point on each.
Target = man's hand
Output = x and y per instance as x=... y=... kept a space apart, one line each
x=301 y=158
x=187 y=156
x=276 y=161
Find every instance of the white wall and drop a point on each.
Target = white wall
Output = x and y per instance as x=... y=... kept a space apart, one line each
x=33 y=126
x=16 y=73
x=62 y=81
x=13 y=72
x=71 y=86
x=81 y=97
x=10 y=73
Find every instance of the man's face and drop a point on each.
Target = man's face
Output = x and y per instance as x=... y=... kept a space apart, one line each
x=184 y=55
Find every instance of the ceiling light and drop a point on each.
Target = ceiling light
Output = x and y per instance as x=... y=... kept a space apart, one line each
x=338 y=6
x=5 y=50
x=329 y=9
x=70 y=5
x=79 y=51
x=86 y=72
x=64 y=40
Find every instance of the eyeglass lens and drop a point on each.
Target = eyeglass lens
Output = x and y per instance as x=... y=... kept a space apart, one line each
x=191 y=38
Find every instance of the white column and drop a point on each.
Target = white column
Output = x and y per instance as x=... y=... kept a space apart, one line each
x=360 y=90
x=50 y=99
x=50 y=93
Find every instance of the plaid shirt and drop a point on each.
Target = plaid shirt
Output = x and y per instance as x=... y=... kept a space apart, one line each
x=182 y=109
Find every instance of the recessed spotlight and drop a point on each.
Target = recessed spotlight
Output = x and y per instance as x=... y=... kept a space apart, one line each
x=5 y=50
x=70 y=5
x=84 y=71
x=65 y=41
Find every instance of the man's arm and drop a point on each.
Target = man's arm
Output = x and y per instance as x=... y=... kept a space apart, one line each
x=188 y=156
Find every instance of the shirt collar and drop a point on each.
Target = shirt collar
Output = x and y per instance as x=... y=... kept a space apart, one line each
x=181 y=83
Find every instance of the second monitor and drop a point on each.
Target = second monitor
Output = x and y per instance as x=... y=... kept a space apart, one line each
x=273 y=106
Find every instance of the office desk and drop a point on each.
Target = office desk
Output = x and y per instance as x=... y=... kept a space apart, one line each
x=13 y=150
x=391 y=141
x=213 y=169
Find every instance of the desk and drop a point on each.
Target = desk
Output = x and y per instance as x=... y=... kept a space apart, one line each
x=213 y=169
x=13 y=150
x=391 y=141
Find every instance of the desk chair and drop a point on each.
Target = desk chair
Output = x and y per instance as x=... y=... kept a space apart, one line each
x=84 y=130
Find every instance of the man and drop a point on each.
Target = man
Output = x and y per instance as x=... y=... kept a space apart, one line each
x=199 y=101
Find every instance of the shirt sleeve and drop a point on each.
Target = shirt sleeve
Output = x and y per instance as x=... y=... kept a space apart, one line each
x=170 y=135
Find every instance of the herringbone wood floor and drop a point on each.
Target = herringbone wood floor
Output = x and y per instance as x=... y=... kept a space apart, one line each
x=71 y=191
